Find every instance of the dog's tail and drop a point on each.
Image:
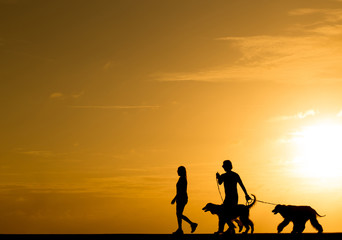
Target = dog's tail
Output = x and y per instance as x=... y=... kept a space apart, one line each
x=249 y=205
x=319 y=215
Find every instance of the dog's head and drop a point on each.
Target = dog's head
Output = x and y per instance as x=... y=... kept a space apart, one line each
x=278 y=209
x=212 y=208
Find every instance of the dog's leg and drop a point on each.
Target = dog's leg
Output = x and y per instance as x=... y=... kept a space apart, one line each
x=316 y=225
x=252 y=226
x=301 y=228
x=282 y=225
x=238 y=221
x=245 y=223
x=298 y=227
x=231 y=227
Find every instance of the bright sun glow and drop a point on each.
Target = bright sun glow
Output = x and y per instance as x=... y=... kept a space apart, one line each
x=319 y=151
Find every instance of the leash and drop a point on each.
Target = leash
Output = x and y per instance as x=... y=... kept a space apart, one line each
x=266 y=202
x=247 y=202
x=218 y=187
x=251 y=200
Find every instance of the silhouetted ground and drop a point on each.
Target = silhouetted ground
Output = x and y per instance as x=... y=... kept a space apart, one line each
x=257 y=236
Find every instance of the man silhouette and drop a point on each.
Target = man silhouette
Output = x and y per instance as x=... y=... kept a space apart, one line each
x=230 y=180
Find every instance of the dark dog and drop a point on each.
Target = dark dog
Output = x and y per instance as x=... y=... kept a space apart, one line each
x=298 y=215
x=227 y=215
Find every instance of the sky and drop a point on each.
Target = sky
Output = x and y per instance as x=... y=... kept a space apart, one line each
x=102 y=100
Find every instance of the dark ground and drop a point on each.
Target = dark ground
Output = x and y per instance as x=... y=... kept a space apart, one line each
x=257 y=236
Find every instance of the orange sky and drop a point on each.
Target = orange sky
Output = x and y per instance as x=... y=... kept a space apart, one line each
x=103 y=100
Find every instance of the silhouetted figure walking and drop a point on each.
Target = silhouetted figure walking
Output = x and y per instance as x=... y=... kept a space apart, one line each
x=181 y=200
x=230 y=180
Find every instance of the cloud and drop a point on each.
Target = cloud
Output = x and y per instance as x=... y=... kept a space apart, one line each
x=328 y=23
x=116 y=107
x=304 y=11
x=303 y=54
x=78 y=95
x=326 y=15
x=300 y=115
x=34 y=188
x=60 y=95
x=56 y=95
x=40 y=153
x=133 y=169
x=142 y=186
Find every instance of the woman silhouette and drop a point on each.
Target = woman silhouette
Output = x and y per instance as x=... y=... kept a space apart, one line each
x=181 y=200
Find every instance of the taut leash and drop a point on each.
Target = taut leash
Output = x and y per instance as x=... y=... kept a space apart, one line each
x=266 y=202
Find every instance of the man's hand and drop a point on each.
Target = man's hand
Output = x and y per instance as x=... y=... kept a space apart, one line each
x=248 y=197
x=173 y=201
x=218 y=175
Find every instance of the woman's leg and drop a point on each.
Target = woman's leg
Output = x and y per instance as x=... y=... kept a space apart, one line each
x=180 y=217
x=179 y=213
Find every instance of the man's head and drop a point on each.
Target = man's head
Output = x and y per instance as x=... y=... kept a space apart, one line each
x=227 y=165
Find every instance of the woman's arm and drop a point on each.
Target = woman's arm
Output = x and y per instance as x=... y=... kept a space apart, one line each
x=174 y=200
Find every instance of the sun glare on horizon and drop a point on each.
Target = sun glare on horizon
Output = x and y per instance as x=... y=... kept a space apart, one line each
x=319 y=151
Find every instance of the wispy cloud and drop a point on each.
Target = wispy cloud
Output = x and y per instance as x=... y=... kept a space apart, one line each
x=29 y=188
x=300 y=115
x=303 y=54
x=328 y=21
x=326 y=15
x=60 y=95
x=116 y=107
x=56 y=95
x=40 y=153
x=304 y=11
x=143 y=186
x=77 y=95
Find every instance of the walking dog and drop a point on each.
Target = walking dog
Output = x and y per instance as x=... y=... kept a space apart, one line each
x=298 y=215
x=227 y=215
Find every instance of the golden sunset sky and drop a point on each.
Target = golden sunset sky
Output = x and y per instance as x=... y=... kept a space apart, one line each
x=102 y=101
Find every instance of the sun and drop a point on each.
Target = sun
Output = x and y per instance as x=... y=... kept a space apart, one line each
x=319 y=151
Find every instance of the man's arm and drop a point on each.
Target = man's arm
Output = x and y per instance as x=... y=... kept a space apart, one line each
x=243 y=188
x=219 y=178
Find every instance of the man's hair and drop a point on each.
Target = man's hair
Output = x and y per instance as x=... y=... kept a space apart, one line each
x=227 y=163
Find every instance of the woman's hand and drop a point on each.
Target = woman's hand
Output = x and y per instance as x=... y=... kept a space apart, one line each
x=173 y=201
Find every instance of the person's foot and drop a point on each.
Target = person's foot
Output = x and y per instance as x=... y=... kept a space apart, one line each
x=178 y=232
x=193 y=227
